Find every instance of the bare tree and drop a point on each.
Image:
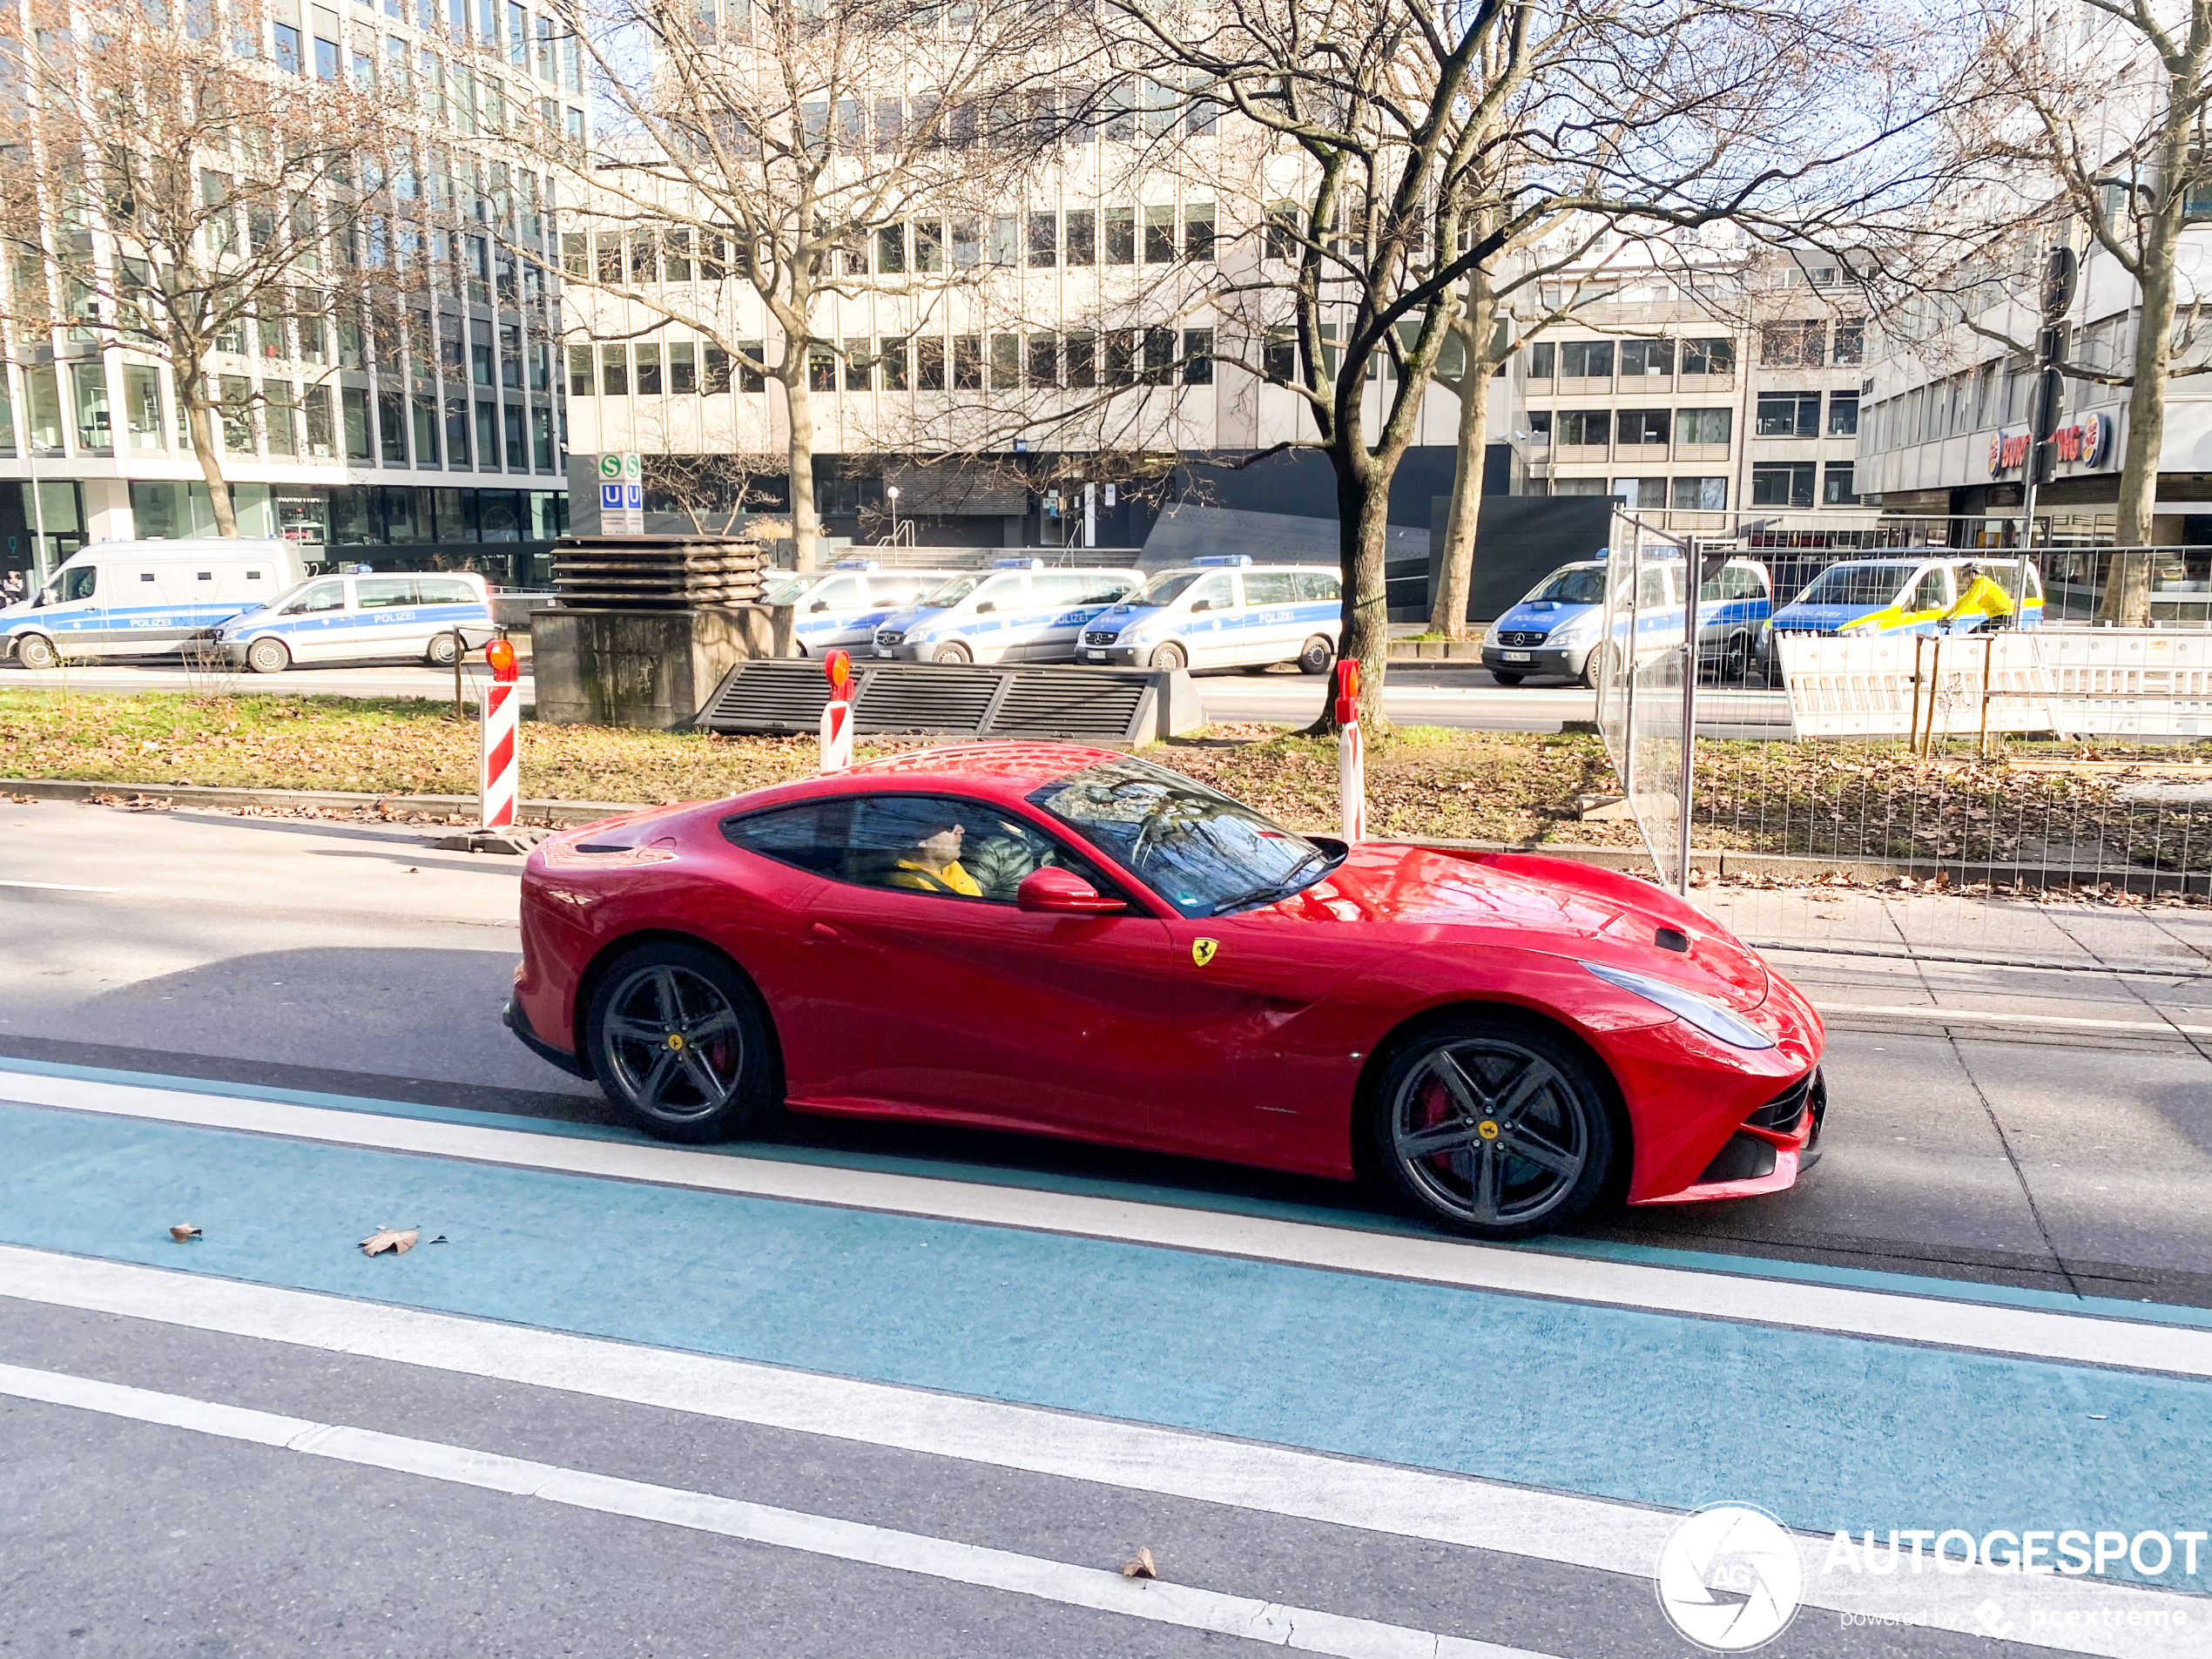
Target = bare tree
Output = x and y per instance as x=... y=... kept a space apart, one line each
x=174 y=189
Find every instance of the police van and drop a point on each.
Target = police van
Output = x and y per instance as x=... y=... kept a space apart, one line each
x=845 y=607
x=1559 y=627
x=1015 y=611
x=144 y=598
x=1224 y=612
x=359 y=617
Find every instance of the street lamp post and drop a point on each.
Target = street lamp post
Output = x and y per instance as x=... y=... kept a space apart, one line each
x=893 y=492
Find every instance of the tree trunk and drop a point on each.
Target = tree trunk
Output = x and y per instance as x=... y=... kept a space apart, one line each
x=207 y=439
x=2127 y=595
x=805 y=521
x=1363 y=524
x=1455 y=581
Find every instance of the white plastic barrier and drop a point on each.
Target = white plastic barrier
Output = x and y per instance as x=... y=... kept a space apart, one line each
x=1845 y=686
x=2130 y=682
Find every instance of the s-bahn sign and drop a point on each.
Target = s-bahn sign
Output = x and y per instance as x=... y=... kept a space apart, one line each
x=2088 y=442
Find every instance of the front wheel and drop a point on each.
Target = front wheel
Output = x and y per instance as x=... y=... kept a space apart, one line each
x=267 y=655
x=678 y=1040
x=1506 y=677
x=1171 y=656
x=1493 y=1126
x=952 y=654
x=36 y=651
x=1315 y=656
x=1600 y=667
x=442 y=652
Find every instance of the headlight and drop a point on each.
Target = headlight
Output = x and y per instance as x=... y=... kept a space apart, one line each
x=1574 y=633
x=1687 y=1006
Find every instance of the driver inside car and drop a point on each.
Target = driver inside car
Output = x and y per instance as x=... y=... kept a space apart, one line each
x=934 y=866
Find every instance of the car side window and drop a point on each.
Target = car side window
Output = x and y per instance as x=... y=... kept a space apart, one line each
x=1320 y=584
x=1269 y=587
x=810 y=836
x=324 y=596
x=384 y=592
x=950 y=847
x=1103 y=589
x=445 y=590
x=896 y=590
x=79 y=584
x=841 y=594
x=1052 y=591
x=1930 y=593
x=1212 y=594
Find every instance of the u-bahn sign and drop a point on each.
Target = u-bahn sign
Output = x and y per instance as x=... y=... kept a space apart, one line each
x=2088 y=442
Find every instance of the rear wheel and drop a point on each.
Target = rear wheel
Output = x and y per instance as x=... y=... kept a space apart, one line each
x=1491 y=1125
x=36 y=651
x=677 y=1039
x=1170 y=656
x=1315 y=656
x=1506 y=677
x=952 y=654
x=267 y=655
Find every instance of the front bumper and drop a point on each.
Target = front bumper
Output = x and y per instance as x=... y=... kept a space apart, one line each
x=1112 y=656
x=1538 y=659
x=515 y=1019
x=904 y=652
x=1768 y=1152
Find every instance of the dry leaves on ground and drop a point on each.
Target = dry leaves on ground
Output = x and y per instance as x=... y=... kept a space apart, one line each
x=1141 y=1565
x=385 y=1238
x=184 y=1233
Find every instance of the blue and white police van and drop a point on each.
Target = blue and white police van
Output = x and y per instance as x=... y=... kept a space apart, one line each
x=1905 y=595
x=361 y=617
x=144 y=598
x=1224 y=612
x=844 y=606
x=1018 y=611
x=1558 y=628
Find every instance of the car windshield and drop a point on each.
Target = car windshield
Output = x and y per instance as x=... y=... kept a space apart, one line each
x=790 y=590
x=1163 y=589
x=1574 y=586
x=278 y=601
x=1204 y=854
x=1856 y=584
x=952 y=592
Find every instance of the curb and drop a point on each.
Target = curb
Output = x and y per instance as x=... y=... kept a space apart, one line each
x=561 y=811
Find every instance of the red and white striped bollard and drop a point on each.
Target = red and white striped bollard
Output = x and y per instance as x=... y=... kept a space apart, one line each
x=498 y=765
x=837 y=713
x=1351 y=760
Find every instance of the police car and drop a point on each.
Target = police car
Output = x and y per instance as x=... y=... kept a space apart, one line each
x=1018 y=611
x=1224 y=612
x=845 y=607
x=144 y=598
x=347 y=618
x=1558 y=628
x=1906 y=596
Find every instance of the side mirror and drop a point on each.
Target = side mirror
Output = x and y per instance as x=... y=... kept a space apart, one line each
x=818 y=604
x=987 y=604
x=1059 y=892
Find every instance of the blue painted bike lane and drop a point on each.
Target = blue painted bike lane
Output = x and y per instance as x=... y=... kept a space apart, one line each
x=1828 y=1430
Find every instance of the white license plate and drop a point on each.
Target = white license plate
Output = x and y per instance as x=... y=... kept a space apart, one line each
x=1094 y=656
x=1516 y=656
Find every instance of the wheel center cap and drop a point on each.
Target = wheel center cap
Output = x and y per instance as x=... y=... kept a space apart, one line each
x=1487 y=1129
x=675 y=1039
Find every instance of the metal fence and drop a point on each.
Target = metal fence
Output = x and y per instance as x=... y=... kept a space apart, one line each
x=2068 y=746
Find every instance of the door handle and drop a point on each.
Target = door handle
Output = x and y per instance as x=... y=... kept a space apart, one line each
x=821 y=933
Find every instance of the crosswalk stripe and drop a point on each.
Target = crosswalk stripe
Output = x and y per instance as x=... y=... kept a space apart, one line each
x=1530 y=1523
x=1303 y=1629
x=1930 y=1320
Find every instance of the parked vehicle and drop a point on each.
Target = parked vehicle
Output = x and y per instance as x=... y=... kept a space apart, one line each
x=1902 y=596
x=1064 y=941
x=1224 y=612
x=1016 y=611
x=144 y=598
x=1559 y=627
x=353 y=618
x=844 y=606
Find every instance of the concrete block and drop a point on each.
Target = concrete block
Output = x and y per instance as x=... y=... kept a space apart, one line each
x=644 y=668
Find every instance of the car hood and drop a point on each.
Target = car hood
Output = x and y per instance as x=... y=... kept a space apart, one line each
x=1447 y=897
x=1544 y=618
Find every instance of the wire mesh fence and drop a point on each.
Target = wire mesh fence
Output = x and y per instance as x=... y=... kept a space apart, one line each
x=1967 y=718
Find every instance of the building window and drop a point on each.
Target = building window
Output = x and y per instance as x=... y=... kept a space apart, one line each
x=354 y=400
x=1543 y=360
x=1044 y=240
x=1589 y=428
x=1159 y=235
x=1701 y=495
x=1082 y=354
x=1083 y=237
x=1159 y=356
x=1800 y=344
x=391 y=428
x=929 y=364
x=614 y=370
x=426 y=432
x=890 y=249
x=488 y=436
x=457 y=431
x=1197 y=232
x=1639 y=494
x=1006 y=362
x=1708 y=355
x=1121 y=236
x=511 y=421
x=683 y=367
x=752 y=368
x=1197 y=357
x=1836 y=485
x=1843 y=415
x=649 y=382
x=95 y=421
x=288 y=49
x=542 y=438
x=1043 y=363
x=1786 y=484
x=326 y=59
x=1282 y=232
x=142 y=406
x=1705 y=426
x=1788 y=415
x=1644 y=426
x=1648 y=358
x=891 y=356
x=860 y=368
x=579 y=369
x=1850 y=342
x=967 y=362
x=715 y=371
x=1586 y=359
x=822 y=369
x=1005 y=231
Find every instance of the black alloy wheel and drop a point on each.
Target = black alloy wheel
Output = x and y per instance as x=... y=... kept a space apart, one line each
x=678 y=1040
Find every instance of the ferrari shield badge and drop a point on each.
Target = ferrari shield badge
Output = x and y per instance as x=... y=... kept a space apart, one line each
x=1202 y=950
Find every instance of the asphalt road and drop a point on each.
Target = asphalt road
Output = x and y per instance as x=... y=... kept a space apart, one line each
x=876 y=1390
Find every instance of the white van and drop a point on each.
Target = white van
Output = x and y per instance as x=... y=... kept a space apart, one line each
x=1224 y=612
x=1016 y=611
x=144 y=598
x=361 y=617
x=844 y=606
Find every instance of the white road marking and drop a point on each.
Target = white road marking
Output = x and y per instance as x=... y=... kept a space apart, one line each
x=1928 y=1320
x=1306 y=1629
x=1526 y=1522
x=2024 y=1021
x=59 y=887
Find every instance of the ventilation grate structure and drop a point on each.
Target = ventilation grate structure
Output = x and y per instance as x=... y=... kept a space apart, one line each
x=1114 y=707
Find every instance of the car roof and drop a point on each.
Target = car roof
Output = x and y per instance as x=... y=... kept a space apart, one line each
x=1014 y=767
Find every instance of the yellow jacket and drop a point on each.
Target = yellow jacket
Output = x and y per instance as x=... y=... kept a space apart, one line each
x=951 y=879
x=1983 y=597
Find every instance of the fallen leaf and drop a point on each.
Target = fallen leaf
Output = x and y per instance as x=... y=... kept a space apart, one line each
x=413 y=869
x=439 y=1239
x=184 y=1233
x=1828 y=915
x=384 y=1238
x=1142 y=1567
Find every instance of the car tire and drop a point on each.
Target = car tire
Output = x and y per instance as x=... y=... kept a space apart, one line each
x=1315 y=656
x=1491 y=1124
x=952 y=654
x=1170 y=656
x=1506 y=677
x=268 y=655
x=442 y=650
x=1599 y=667
x=721 y=1080
x=36 y=651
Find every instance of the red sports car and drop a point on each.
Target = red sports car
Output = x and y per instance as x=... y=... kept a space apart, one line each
x=1071 y=942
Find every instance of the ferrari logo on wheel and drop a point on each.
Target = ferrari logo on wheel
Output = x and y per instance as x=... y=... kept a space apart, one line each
x=1487 y=1130
x=1202 y=950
